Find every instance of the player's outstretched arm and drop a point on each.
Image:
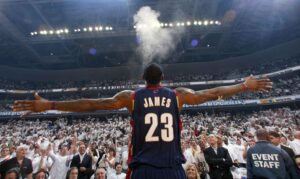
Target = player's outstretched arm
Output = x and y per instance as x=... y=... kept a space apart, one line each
x=120 y=100
x=191 y=97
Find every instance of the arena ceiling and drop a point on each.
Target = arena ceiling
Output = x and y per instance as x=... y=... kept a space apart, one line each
x=247 y=26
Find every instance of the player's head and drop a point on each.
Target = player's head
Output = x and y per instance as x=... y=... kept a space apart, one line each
x=153 y=74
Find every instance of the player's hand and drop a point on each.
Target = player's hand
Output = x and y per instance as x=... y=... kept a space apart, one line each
x=258 y=85
x=38 y=105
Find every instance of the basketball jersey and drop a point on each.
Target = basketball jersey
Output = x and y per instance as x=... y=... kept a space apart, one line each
x=156 y=128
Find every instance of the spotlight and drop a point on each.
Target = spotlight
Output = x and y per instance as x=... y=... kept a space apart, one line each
x=90 y=29
x=45 y=32
x=199 y=22
x=205 y=23
x=110 y=28
x=195 y=23
x=178 y=24
x=51 y=32
x=84 y=29
x=211 y=22
x=171 y=25
x=106 y=28
x=66 y=31
x=188 y=23
x=216 y=22
x=134 y=27
x=166 y=25
x=100 y=28
x=96 y=28
x=35 y=33
x=42 y=32
x=32 y=33
x=61 y=31
x=92 y=51
x=58 y=32
x=78 y=30
x=194 y=42
x=75 y=30
x=161 y=24
x=182 y=24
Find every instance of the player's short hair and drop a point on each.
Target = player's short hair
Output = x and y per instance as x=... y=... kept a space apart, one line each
x=153 y=73
x=274 y=134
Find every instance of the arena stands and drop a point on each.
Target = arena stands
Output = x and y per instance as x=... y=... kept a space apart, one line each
x=114 y=132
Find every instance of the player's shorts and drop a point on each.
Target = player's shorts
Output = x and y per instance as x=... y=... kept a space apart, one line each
x=150 y=172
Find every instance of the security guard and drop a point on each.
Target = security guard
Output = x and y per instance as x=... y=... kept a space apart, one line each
x=264 y=160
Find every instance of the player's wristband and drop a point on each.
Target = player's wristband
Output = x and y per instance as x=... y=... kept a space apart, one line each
x=244 y=87
x=52 y=106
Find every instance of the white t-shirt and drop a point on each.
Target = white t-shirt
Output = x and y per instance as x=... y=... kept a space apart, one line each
x=115 y=176
x=295 y=145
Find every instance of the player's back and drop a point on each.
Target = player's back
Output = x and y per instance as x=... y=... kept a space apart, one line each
x=156 y=132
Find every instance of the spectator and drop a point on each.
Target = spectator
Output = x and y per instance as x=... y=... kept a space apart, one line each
x=118 y=174
x=187 y=154
x=274 y=138
x=21 y=162
x=4 y=153
x=218 y=160
x=264 y=160
x=295 y=144
x=200 y=162
x=41 y=174
x=42 y=161
x=191 y=171
x=109 y=160
x=61 y=162
x=100 y=174
x=12 y=173
x=72 y=173
x=83 y=162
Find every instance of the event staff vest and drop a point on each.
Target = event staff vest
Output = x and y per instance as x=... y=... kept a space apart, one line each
x=156 y=128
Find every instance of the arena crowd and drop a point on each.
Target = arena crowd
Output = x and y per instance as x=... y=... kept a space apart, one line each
x=264 y=67
x=94 y=147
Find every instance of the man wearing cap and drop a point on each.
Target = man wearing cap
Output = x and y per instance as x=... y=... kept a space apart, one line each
x=20 y=161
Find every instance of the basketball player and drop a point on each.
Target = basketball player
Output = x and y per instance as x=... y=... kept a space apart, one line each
x=156 y=151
